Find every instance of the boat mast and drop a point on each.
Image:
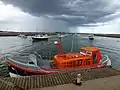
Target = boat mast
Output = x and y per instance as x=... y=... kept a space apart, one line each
x=60 y=45
x=72 y=44
x=36 y=30
x=21 y=31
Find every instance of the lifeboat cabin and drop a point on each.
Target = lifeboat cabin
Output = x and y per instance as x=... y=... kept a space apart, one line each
x=88 y=57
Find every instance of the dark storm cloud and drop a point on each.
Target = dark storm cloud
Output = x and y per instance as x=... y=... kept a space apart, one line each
x=75 y=12
x=38 y=7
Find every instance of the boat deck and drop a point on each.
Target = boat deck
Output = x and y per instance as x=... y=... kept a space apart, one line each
x=65 y=77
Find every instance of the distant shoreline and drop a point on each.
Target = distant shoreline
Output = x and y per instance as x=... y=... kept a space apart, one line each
x=108 y=35
x=11 y=33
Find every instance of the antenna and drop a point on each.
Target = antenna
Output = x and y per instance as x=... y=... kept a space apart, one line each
x=59 y=45
x=72 y=43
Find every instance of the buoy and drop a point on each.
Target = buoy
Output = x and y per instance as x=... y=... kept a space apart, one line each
x=55 y=42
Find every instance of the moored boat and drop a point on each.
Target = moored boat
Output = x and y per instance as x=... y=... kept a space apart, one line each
x=61 y=36
x=22 y=35
x=40 y=37
x=91 y=37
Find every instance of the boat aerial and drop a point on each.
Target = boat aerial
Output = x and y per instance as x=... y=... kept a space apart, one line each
x=40 y=37
x=88 y=57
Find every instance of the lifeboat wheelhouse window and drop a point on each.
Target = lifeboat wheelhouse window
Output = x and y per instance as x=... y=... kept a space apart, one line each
x=89 y=53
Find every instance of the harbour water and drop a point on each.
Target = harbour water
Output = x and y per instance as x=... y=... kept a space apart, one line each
x=20 y=46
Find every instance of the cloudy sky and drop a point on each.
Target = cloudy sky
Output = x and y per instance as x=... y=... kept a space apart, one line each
x=83 y=16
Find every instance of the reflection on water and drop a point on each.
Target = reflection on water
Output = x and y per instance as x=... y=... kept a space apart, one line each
x=21 y=46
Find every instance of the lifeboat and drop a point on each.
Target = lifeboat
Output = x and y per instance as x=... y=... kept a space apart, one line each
x=88 y=57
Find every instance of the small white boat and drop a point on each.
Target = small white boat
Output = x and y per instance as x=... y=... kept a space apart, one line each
x=40 y=37
x=22 y=35
x=91 y=37
x=62 y=36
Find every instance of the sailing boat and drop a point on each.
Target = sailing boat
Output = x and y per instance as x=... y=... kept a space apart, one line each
x=22 y=35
